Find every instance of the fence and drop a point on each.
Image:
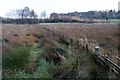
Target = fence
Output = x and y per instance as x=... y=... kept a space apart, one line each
x=105 y=61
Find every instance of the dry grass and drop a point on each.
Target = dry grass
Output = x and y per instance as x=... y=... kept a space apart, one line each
x=54 y=40
x=106 y=35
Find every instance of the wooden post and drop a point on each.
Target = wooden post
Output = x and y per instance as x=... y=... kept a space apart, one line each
x=118 y=58
x=86 y=48
x=97 y=49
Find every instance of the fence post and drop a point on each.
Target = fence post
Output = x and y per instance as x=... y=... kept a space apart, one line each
x=86 y=48
x=96 y=50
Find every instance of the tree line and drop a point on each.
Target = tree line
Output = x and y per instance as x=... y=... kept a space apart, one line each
x=29 y=16
x=110 y=14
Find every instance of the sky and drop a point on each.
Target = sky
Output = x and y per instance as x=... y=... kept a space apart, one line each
x=58 y=6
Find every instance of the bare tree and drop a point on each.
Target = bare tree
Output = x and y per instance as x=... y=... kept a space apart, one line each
x=24 y=13
x=19 y=13
x=107 y=15
x=33 y=14
x=10 y=14
x=43 y=15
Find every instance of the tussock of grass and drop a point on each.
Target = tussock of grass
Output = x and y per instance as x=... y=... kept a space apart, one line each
x=83 y=73
x=44 y=69
x=22 y=74
x=35 y=51
x=17 y=57
x=70 y=61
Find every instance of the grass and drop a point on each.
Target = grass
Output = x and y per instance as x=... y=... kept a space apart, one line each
x=22 y=74
x=74 y=62
x=70 y=61
x=18 y=57
x=44 y=69
x=35 y=51
x=115 y=20
x=70 y=67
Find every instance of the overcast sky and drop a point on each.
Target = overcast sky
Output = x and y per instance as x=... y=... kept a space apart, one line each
x=58 y=6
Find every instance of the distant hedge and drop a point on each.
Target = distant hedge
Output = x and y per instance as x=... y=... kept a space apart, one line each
x=20 y=21
x=37 y=21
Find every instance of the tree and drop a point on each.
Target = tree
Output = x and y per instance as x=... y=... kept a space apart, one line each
x=22 y=13
x=33 y=14
x=25 y=12
x=11 y=14
x=43 y=15
x=107 y=15
x=19 y=13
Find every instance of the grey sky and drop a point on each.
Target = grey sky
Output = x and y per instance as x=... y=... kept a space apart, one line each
x=58 y=6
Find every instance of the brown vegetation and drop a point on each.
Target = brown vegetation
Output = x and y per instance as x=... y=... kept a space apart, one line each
x=61 y=44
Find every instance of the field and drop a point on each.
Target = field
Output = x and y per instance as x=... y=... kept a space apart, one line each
x=57 y=50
